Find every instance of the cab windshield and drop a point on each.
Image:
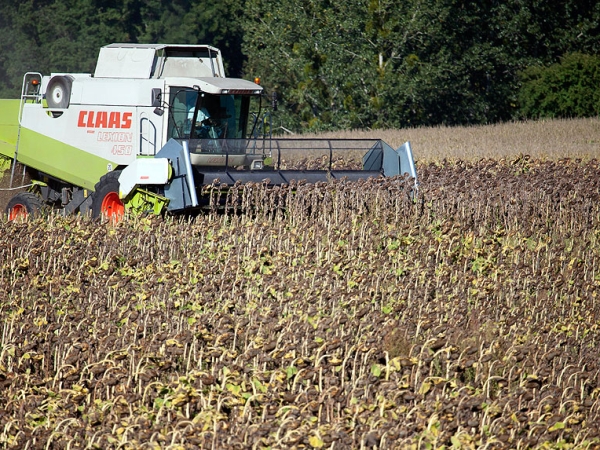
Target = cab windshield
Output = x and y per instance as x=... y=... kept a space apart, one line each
x=198 y=115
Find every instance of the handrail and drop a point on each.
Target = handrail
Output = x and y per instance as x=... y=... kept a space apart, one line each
x=142 y=138
x=280 y=148
x=37 y=97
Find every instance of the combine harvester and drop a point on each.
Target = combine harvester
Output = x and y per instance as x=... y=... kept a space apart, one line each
x=149 y=130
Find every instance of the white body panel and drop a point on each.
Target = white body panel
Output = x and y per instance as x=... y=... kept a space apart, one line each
x=115 y=91
x=104 y=126
x=216 y=85
x=76 y=127
x=143 y=171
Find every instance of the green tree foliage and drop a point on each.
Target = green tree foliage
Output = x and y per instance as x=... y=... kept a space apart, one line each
x=66 y=35
x=381 y=63
x=335 y=63
x=302 y=49
x=57 y=36
x=569 y=88
x=448 y=69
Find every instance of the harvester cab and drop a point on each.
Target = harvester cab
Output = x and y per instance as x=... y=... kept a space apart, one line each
x=150 y=128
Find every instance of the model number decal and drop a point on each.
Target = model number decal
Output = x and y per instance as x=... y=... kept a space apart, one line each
x=122 y=150
x=115 y=136
x=104 y=119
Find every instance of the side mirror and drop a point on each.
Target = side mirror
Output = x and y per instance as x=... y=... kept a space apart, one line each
x=156 y=97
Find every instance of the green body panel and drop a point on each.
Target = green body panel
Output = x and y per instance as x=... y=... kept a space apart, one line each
x=9 y=126
x=142 y=201
x=5 y=163
x=45 y=154
x=60 y=160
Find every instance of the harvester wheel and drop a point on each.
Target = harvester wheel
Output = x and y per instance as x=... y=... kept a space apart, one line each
x=105 y=199
x=58 y=93
x=24 y=204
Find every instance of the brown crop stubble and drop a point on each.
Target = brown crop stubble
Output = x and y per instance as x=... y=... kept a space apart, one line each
x=352 y=316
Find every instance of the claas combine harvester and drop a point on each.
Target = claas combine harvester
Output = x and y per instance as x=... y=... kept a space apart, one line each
x=152 y=127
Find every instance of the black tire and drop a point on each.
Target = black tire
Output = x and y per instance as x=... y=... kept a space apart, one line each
x=58 y=92
x=105 y=198
x=24 y=204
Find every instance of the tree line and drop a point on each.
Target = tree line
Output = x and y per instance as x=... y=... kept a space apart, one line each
x=341 y=64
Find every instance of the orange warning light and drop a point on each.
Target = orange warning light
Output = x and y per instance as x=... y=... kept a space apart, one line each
x=257 y=80
x=35 y=81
